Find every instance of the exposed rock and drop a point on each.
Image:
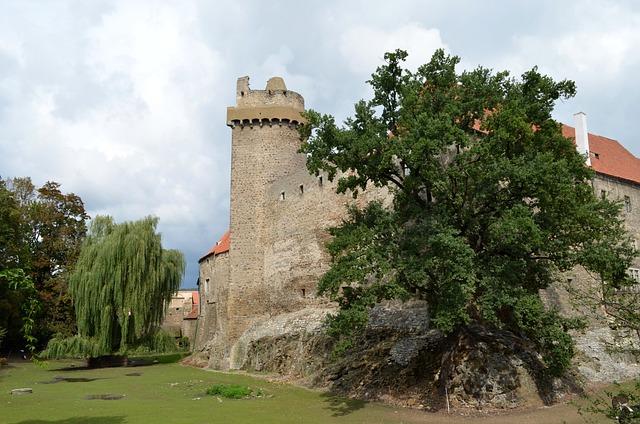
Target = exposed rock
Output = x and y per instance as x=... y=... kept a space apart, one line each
x=262 y=346
x=23 y=391
x=407 y=317
x=606 y=355
x=399 y=359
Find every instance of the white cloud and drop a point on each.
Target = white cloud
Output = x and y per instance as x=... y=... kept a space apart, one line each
x=601 y=43
x=142 y=144
x=363 y=47
x=123 y=101
x=279 y=63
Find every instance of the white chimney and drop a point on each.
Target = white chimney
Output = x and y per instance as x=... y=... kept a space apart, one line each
x=582 y=135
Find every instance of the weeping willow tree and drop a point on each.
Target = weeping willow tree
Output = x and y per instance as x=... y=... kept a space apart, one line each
x=120 y=287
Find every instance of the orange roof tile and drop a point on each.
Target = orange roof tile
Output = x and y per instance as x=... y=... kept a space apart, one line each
x=221 y=246
x=195 y=310
x=193 y=314
x=609 y=157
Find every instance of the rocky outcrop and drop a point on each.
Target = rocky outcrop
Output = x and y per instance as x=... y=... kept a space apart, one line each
x=606 y=355
x=290 y=344
x=400 y=359
x=420 y=367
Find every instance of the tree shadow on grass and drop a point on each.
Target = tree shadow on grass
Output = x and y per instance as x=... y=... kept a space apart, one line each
x=342 y=406
x=116 y=361
x=78 y=420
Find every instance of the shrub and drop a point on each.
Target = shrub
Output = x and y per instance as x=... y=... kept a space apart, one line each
x=157 y=342
x=230 y=391
x=72 y=347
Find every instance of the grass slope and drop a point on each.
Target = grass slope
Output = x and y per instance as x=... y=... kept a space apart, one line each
x=171 y=393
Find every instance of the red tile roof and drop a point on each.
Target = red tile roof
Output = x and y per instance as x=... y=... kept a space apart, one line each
x=193 y=314
x=221 y=246
x=609 y=157
x=195 y=310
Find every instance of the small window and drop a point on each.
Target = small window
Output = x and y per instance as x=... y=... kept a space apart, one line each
x=304 y=292
x=320 y=180
x=634 y=273
x=282 y=195
x=301 y=187
x=627 y=203
x=596 y=155
x=603 y=194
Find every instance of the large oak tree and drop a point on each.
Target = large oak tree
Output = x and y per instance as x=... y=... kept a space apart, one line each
x=491 y=202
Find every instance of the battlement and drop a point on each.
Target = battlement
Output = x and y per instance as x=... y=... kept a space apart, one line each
x=273 y=105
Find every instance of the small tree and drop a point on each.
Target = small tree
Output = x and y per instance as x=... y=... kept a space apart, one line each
x=120 y=287
x=490 y=204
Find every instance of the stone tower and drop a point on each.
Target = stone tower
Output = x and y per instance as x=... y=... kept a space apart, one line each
x=265 y=142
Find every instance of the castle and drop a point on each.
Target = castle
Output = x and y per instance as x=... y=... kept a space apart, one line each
x=259 y=280
x=182 y=312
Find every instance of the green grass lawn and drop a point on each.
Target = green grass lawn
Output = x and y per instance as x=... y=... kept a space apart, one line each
x=172 y=393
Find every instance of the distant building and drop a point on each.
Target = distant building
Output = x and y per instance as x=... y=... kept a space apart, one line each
x=182 y=313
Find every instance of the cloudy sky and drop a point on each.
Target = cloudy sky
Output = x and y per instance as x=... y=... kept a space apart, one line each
x=123 y=102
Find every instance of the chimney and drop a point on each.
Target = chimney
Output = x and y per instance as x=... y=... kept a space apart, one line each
x=582 y=135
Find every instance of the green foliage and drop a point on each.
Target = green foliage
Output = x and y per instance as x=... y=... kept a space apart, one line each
x=183 y=343
x=122 y=282
x=163 y=342
x=491 y=201
x=72 y=347
x=40 y=234
x=230 y=391
x=157 y=342
x=620 y=404
x=548 y=330
x=17 y=281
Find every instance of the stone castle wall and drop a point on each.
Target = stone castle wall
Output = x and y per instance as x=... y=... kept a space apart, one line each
x=210 y=334
x=174 y=322
x=617 y=189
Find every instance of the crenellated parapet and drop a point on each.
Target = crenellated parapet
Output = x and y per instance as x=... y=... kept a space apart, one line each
x=275 y=105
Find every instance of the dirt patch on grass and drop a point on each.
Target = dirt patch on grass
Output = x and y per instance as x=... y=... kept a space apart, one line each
x=60 y=379
x=106 y=396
